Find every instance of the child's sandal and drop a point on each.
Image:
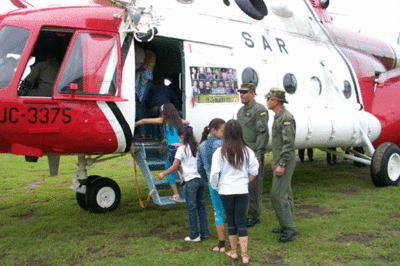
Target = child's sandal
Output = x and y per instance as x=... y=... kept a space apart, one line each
x=218 y=248
x=232 y=254
x=175 y=198
x=245 y=258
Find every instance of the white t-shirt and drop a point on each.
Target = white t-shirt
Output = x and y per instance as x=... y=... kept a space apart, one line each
x=188 y=162
x=228 y=180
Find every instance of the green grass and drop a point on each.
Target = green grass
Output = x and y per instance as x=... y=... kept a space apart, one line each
x=341 y=217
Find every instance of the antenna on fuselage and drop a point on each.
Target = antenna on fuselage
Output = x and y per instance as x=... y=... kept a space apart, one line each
x=140 y=20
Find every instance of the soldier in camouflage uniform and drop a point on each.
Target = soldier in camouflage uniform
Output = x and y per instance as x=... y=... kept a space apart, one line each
x=284 y=162
x=253 y=117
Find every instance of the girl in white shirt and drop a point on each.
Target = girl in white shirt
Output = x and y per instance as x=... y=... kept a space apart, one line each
x=195 y=186
x=233 y=166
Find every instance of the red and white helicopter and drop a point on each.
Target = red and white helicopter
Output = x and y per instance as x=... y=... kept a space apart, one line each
x=341 y=86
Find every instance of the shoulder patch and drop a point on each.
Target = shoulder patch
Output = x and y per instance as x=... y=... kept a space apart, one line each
x=263 y=114
x=286 y=124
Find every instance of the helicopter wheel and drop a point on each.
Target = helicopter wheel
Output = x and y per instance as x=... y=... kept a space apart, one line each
x=385 y=166
x=103 y=195
x=80 y=197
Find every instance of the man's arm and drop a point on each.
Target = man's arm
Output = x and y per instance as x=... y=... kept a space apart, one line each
x=262 y=132
x=31 y=81
x=288 y=138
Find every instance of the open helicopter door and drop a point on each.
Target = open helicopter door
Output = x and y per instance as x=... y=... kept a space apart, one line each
x=94 y=76
x=211 y=83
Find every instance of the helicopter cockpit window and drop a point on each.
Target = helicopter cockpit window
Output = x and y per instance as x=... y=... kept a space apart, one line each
x=249 y=75
x=290 y=83
x=255 y=9
x=347 y=89
x=12 y=44
x=44 y=63
x=92 y=65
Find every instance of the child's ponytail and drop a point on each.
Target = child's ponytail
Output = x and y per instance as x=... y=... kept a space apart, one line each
x=188 y=138
x=214 y=124
x=205 y=133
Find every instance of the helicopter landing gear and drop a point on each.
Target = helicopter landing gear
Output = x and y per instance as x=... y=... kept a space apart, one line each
x=385 y=166
x=81 y=197
x=95 y=193
x=103 y=195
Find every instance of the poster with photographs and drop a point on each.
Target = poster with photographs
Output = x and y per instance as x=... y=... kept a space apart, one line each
x=214 y=84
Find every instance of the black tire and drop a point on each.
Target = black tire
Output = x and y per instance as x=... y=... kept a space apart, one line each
x=103 y=195
x=385 y=166
x=80 y=197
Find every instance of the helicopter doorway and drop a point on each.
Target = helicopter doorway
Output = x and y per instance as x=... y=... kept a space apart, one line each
x=159 y=82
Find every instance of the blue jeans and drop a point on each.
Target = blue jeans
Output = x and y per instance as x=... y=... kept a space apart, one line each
x=195 y=190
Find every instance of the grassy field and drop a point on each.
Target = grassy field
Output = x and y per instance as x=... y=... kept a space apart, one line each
x=342 y=220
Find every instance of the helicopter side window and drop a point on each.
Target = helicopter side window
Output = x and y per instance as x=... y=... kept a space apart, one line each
x=249 y=75
x=346 y=89
x=12 y=44
x=315 y=86
x=255 y=9
x=92 y=65
x=290 y=83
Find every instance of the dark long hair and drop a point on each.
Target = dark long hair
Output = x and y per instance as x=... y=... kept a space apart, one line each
x=214 y=124
x=234 y=148
x=171 y=117
x=188 y=138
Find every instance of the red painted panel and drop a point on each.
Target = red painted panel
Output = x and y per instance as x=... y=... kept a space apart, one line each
x=83 y=17
x=65 y=127
x=386 y=107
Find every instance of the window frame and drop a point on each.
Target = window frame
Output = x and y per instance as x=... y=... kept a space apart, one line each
x=87 y=97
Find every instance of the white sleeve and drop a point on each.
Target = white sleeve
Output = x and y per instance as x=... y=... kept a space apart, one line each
x=253 y=163
x=180 y=152
x=215 y=169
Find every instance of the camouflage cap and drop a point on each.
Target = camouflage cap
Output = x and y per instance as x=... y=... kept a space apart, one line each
x=277 y=94
x=245 y=87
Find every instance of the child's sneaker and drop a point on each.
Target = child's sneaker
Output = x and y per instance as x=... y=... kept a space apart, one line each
x=197 y=239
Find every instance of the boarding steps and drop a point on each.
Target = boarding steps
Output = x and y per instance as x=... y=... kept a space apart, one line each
x=148 y=158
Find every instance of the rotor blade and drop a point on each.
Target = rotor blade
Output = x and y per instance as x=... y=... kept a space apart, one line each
x=18 y=3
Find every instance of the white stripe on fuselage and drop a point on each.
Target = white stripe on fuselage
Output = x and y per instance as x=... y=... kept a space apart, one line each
x=119 y=133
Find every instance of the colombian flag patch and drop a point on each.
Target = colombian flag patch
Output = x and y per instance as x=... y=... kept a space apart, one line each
x=286 y=124
x=263 y=114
